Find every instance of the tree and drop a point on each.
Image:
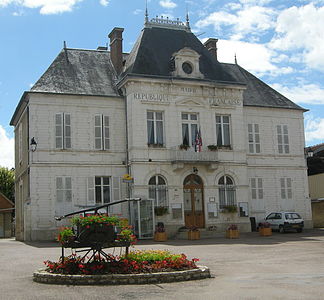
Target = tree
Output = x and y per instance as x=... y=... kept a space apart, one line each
x=7 y=183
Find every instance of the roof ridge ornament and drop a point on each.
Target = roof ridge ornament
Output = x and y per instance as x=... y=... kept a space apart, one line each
x=167 y=23
x=146 y=13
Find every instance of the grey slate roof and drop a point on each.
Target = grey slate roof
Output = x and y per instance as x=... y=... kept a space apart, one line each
x=75 y=71
x=155 y=46
x=90 y=72
x=257 y=92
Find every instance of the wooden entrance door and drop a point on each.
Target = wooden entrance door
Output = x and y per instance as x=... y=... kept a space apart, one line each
x=193 y=198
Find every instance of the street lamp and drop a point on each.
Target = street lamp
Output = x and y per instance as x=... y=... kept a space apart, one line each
x=33 y=144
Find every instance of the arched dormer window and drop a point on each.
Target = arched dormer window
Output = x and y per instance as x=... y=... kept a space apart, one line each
x=158 y=191
x=226 y=191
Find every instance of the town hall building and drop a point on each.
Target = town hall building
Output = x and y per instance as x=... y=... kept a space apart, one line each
x=205 y=143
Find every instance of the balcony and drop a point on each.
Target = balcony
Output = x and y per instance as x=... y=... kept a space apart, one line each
x=190 y=156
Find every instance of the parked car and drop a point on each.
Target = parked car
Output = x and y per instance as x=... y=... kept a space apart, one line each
x=284 y=221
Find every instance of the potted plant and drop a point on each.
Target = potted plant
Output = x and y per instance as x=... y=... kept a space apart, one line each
x=160 y=234
x=96 y=228
x=160 y=210
x=193 y=233
x=212 y=147
x=229 y=209
x=184 y=147
x=232 y=232
x=265 y=229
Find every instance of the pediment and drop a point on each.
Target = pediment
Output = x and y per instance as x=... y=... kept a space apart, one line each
x=189 y=102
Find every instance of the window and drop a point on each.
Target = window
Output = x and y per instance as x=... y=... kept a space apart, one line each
x=102 y=141
x=226 y=192
x=158 y=191
x=254 y=138
x=63 y=189
x=223 y=130
x=102 y=190
x=189 y=128
x=155 y=128
x=283 y=141
x=256 y=186
x=62 y=131
x=63 y=196
x=285 y=187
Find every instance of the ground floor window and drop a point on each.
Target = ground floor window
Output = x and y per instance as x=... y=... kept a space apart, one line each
x=158 y=191
x=226 y=192
x=102 y=189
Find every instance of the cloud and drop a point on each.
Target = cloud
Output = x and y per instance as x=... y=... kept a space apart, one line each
x=302 y=28
x=7 y=156
x=254 y=57
x=302 y=93
x=168 y=4
x=47 y=7
x=137 y=11
x=104 y=2
x=314 y=130
x=250 y=21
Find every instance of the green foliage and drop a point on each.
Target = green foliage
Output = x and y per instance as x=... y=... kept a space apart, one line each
x=7 y=183
x=151 y=255
x=96 y=219
x=161 y=210
x=65 y=234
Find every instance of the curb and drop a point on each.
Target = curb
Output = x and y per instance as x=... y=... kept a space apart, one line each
x=42 y=276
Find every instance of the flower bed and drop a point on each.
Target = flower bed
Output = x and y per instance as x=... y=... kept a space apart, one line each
x=135 y=262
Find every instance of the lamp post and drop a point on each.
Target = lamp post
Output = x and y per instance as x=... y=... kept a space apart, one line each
x=33 y=144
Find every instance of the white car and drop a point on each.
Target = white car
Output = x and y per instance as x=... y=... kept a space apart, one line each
x=284 y=221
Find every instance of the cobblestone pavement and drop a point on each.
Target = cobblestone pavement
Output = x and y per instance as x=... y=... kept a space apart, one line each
x=283 y=266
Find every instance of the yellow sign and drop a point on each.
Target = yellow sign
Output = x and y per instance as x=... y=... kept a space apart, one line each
x=127 y=178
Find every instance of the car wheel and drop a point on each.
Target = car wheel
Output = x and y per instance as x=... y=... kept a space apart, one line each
x=281 y=229
x=299 y=230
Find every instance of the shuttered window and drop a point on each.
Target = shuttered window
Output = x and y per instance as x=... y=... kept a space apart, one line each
x=283 y=139
x=254 y=138
x=63 y=131
x=102 y=138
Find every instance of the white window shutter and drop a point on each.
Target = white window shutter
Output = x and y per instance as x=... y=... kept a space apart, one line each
x=59 y=131
x=106 y=132
x=90 y=191
x=98 y=132
x=116 y=188
x=67 y=131
x=20 y=142
x=59 y=189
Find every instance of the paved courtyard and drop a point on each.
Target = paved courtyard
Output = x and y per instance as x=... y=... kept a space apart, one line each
x=284 y=266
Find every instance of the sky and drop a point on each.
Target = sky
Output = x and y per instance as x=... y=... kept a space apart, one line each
x=281 y=42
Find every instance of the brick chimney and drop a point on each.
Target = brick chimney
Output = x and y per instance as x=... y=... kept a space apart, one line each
x=210 y=44
x=116 y=48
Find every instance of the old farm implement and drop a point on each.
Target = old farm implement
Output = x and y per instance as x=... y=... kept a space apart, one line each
x=94 y=231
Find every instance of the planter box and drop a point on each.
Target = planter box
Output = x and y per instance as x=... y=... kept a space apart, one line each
x=232 y=234
x=265 y=231
x=193 y=235
x=160 y=236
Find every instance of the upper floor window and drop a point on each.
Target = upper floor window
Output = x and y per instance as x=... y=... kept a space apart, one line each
x=283 y=140
x=254 y=138
x=63 y=131
x=189 y=128
x=285 y=188
x=158 y=190
x=226 y=192
x=155 y=128
x=102 y=140
x=223 y=135
x=256 y=188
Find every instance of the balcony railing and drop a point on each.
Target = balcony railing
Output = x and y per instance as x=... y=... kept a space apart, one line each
x=189 y=156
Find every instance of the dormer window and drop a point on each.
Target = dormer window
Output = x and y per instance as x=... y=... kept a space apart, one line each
x=186 y=64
